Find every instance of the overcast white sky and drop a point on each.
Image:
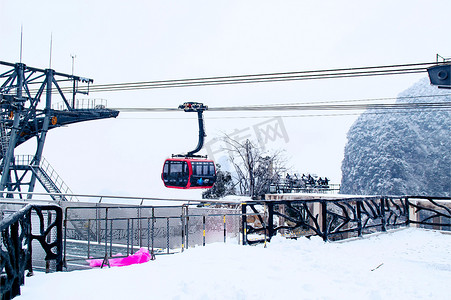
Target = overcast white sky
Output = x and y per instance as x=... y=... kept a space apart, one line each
x=127 y=41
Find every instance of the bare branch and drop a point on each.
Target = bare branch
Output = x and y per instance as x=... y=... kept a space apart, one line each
x=255 y=170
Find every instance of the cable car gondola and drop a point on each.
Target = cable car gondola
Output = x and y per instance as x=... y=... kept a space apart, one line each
x=190 y=171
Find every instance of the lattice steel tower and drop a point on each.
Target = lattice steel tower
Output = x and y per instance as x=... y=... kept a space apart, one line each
x=24 y=116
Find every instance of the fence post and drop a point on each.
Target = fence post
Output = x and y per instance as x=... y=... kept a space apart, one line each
x=183 y=230
x=111 y=238
x=225 y=229
x=132 y=236
x=29 y=264
x=128 y=236
x=98 y=225
x=49 y=222
x=14 y=229
x=203 y=231
x=148 y=233
x=167 y=234
x=244 y=223
x=140 y=227
x=320 y=212
x=270 y=225
x=383 y=221
x=412 y=216
x=187 y=227
x=59 y=238
x=64 y=237
x=359 y=217
x=324 y=220
x=106 y=232
x=153 y=228
x=89 y=236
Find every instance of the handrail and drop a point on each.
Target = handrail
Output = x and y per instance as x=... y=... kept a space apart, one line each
x=27 y=160
x=102 y=198
x=4 y=223
x=16 y=244
x=83 y=104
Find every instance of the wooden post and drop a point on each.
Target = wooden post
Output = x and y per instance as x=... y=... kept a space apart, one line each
x=413 y=216
x=319 y=210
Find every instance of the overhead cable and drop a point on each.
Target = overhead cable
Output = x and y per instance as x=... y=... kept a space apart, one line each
x=308 y=115
x=263 y=78
x=310 y=107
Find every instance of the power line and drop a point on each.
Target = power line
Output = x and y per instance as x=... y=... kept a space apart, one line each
x=198 y=83
x=369 y=99
x=156 y=109
x=264 y=77
x=290 y=116
x=403 y=108
x=310 y=107
x=337 y=107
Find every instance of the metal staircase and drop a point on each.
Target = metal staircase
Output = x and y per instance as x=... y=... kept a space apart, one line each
x=46 y=175
x=4 y=138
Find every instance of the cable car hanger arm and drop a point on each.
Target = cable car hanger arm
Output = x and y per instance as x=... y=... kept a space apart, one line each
x=199 y=108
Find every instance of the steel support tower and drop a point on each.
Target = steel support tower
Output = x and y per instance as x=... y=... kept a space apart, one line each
x=33 y=101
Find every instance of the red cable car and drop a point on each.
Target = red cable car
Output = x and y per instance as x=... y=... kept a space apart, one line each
x=190 y=171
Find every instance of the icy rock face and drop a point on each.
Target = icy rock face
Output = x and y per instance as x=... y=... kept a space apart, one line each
x=401 y=153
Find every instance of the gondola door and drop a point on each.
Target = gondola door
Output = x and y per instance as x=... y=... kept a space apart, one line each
x=176 y=173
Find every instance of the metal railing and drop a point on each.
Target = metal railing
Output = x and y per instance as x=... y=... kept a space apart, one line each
x=335 y=219
x=104 y=232
x=84 y=104
x=285 y=186
x=44 y=165
x=17 y=236
x=430 y=212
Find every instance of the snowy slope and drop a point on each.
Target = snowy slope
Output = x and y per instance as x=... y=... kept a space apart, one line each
x=406 y=264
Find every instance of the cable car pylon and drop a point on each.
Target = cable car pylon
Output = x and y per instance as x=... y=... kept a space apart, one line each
x=190 y=171
x=24 y=116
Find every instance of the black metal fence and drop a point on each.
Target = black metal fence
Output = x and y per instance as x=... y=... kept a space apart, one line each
x=18 y=235
x=430 y=212
x=103 y=231
x=334 y=219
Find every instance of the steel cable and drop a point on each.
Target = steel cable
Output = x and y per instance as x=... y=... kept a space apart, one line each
x=370 y=106
x=261 y=78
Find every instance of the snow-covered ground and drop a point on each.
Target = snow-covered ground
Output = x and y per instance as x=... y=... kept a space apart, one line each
x=405 y=264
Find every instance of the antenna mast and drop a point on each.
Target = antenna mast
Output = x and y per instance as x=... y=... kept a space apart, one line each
x=21 y=41
x=51 y=45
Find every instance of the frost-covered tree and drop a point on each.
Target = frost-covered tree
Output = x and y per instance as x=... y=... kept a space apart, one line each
x=255 y=169
x=401 y=152
x=224 y=185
